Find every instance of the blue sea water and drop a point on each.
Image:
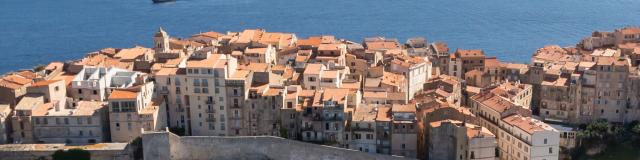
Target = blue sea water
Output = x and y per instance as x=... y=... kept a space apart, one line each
x=40 y=31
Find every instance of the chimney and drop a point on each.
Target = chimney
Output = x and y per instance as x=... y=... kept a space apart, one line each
x=56 y=106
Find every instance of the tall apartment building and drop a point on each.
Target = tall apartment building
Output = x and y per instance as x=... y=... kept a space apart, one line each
x=133 y=110
x=463 y=61
x=416 y=71
x=451 y=139
x=197 y=94
x=404 y=130
x=96 y=83
x=383 y=130
x=78 y=123
x=5 y=120
x=361 y=132
x=21 y=122
x=14 y=86
x=518 y=135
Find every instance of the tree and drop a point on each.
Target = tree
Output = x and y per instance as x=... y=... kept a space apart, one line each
x=178 y=131
x=75 y=153
x=136 y=144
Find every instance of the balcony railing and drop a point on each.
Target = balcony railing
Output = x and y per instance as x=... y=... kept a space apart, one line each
x=307 y=128
x=211 y=119
x=179 y=109
x=235 y=106
x=210 y=102
x=210 y=111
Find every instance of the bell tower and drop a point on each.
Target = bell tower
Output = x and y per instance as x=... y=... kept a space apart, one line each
x=161 y=41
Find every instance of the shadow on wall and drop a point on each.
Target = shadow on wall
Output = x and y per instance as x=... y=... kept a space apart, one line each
x=167 y=145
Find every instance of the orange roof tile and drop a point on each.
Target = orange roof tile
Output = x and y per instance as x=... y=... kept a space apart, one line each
x=123 y=94
x=43 y=83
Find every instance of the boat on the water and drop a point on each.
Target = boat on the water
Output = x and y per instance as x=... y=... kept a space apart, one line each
x=162 y=1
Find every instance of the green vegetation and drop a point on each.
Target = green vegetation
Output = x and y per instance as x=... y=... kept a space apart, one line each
x=75 y=154
x=38 y=68
x=136 y=144
x=178 y=131
x=601 y=140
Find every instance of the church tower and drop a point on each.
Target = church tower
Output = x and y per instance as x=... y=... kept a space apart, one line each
x=161 y=41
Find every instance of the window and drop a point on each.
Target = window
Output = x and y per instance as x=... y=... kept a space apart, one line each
x=312 y=79
x=79 y=91
x=129 y=126
x=66 y=120
x=545 y=141
x=37 y=120
x=550 y=150
x=79 y=120
x=196 y=82
x=205 y=83
x=403 y=146
x=95 y=92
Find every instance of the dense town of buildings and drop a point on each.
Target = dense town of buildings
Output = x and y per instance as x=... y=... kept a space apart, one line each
x=417 y=100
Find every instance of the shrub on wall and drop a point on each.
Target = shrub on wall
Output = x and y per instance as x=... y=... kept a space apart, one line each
x=75 y=154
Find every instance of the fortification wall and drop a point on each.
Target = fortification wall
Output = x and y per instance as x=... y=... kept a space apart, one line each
x=164 y=145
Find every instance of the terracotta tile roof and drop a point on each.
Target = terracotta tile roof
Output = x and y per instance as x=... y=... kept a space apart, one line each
x=330 y=74
x=630 y=30
x=311 y=41
x=383 y=114
x=167 y=72
x=255 y=51
x=382 y=45
x=329 y=47
x=209 y=34
x=369 y=94
x=469 y=53
x=396 y=96
x=491 y=62
x=87 y=108
x=272 y=92
x=132 y=53
x=313 y=68
x=66 y=77
x=403 y=108
x=493 y=101
x=336 y=94
x=28 y=74
x=204 y=63
x=54 y=66
x=44 y=83
x=123 y=94
x=17 y=79
x=526 y=124
x=256 y=67
x=441 y=47
x=365 y=113
x=180 y=44
x=392 y=79
x=10 y=85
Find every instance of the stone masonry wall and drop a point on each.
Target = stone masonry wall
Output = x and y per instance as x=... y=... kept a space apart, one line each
x=165 y=145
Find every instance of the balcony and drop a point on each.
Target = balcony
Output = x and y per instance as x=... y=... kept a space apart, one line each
x=235 y=117
x=179 y=109
x=210 y=111
x=307 y=128
x=210 y=119
x=235 y=106
x=164 y=91
x=210 y=102
x=334 y=118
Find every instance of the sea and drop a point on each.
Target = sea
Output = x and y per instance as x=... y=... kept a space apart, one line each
x=36 y=32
